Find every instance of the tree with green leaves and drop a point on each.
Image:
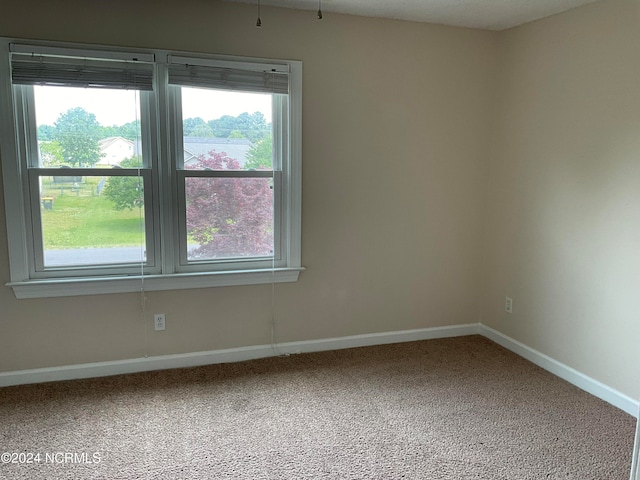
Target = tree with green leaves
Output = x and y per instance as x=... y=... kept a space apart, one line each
x=253 y=126
x=189 y=126
x=78 y=133
x=51 y=154
x=126 y=192
x=202 y=131
x=46 y=132
x=130 y=131
x=228 y=217
x=260 y=155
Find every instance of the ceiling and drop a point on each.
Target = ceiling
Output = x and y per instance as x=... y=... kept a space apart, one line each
x=485 y=14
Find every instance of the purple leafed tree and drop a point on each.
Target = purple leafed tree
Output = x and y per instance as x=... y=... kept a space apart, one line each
x=228 y=217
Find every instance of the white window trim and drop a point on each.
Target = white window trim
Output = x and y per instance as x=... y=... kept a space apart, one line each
x=15 y=185
x=65 y=287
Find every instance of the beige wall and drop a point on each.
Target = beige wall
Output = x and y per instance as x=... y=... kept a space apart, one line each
x=563 y=217
x=395 y=159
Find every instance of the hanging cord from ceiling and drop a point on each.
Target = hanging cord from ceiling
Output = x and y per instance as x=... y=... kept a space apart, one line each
x=258 y=21
x=319 y=14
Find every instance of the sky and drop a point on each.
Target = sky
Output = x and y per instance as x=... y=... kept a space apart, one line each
x=117 y=107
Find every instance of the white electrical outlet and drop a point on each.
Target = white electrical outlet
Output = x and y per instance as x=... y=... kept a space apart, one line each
x=508 y=305
x=159 y=322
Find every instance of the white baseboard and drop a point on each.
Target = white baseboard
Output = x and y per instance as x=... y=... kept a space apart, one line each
x=163 y=362
x=195 y=359
x=571 y=375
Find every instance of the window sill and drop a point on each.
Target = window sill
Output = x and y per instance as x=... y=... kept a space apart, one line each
x=68 y=287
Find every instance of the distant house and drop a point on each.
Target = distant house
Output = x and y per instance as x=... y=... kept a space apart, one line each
x=114 y=150
x=234 y=147
x=194 y=147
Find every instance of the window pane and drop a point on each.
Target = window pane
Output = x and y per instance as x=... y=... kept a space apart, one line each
x=229 y=217
x=86 y=127
x=233 y=128
x=92 y=220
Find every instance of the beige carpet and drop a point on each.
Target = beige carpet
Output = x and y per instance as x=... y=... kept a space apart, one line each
x=460 y=408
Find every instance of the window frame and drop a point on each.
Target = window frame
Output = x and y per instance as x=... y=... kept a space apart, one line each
x=183 y=265
x=162 y=177
x=24 y=106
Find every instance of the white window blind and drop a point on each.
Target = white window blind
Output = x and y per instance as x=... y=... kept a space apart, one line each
x=262 y=78
x=42 y=69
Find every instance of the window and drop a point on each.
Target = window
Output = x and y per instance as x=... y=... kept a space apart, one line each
x=165 y=170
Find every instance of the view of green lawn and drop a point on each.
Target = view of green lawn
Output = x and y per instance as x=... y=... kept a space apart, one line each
x=82 y=219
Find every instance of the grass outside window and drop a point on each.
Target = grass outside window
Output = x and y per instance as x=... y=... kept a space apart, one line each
x=80 y=218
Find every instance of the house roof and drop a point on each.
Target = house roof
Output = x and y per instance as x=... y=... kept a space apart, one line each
x=107 y=142
x=194 y=147
x=234 y=147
